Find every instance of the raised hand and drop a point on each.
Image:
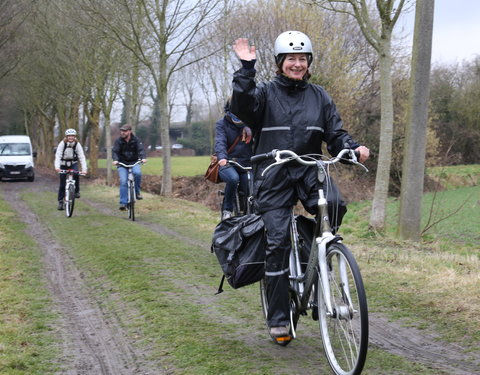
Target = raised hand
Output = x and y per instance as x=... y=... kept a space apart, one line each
x=243 y=50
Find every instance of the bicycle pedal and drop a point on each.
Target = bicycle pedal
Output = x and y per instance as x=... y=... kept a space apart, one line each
x=283 y=340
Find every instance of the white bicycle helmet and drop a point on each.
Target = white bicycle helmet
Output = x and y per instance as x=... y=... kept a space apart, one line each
x=292 y=42
x=70 y=132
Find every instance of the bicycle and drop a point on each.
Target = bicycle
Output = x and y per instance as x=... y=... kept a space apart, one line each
x=69 y=199
x=130 y=189
x=330 y=283
x=243 y=200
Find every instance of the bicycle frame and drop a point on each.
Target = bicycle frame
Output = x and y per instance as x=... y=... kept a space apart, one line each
x=130 y=188
x=69 y=186
x=249 y=197
x=318 y=256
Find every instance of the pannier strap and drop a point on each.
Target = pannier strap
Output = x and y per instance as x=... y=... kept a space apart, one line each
x=220 y=287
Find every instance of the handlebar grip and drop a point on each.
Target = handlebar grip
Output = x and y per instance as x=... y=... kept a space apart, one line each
x=261 y=157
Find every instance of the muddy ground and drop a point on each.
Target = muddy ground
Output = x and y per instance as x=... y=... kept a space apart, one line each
x=95 y=343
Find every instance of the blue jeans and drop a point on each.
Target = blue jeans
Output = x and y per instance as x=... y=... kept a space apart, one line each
x=123 y=175
x=232 y=178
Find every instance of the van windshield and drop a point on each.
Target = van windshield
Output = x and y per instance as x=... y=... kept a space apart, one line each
x=14 y=149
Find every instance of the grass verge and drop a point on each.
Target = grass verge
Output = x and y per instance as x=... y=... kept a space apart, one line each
x=26 y=317
x=433 y=283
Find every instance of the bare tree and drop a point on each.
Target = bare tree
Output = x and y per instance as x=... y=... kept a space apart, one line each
x=13 y=14
x=378 y=32
x=415 y=137
x=159 y=34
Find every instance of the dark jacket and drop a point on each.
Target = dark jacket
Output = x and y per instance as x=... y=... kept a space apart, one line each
x=294 y=115
x=128 y=152
x=225 y=134
x=288 y=114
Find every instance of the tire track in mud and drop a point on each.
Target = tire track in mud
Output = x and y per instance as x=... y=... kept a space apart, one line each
x=93 y=343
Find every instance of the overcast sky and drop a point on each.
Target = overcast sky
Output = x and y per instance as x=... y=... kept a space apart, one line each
x=456 y=30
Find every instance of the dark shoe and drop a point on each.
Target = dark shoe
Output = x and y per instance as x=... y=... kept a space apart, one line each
x=60 y=206
x=123 y=207
x=280 y=335
x=139 y=196
x=226 y=215
x=77 y=195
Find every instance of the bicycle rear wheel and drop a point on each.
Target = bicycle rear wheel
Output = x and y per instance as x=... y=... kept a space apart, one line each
x=70 y=201
x=345 y=333
x=131 y=202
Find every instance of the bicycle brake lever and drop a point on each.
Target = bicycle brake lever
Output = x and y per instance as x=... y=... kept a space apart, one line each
x=354 y=155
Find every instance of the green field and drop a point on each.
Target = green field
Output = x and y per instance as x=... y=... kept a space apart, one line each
x=187 y=166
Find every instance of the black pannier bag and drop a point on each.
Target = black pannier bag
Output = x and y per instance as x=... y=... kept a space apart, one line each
x=239 y=244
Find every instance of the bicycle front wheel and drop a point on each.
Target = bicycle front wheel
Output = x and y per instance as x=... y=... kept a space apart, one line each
x=344 y=332
x=70 y=201
x=131 y=202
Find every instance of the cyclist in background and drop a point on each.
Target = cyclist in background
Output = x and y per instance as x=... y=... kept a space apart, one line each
x=231 y=131
x=69 y=152
x=128 y=149
x=287 y=113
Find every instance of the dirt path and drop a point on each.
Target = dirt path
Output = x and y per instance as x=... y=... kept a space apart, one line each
x=93 y=342
x=96 y=344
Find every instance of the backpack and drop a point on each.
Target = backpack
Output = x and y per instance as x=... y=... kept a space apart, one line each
x=69 y=152
x=239 y=244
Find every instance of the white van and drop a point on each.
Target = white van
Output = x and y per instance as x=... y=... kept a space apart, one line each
x=16 y=157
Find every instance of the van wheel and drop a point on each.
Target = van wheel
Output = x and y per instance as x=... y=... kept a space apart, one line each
x=31 y=178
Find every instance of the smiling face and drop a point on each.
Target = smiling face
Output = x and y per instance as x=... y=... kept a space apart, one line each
x=295 y=65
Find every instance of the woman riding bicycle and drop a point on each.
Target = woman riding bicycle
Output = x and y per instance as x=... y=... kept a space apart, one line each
x=230 y=131
x=69 y=152
x=287 y=113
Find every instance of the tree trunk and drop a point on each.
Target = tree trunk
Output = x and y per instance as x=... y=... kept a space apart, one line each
x=108 y=146
x=409 y=222
x=94 y=120
x=132 y=119
x=164 y=134
x=379 y=204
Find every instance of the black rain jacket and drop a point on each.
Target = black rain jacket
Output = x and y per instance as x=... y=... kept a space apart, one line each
x=288 y=114
x=294 y=115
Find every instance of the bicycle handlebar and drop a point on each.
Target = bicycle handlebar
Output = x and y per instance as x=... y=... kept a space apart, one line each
x=284 y=156
x=129 y=165
x=237 y=164
x=73 y=171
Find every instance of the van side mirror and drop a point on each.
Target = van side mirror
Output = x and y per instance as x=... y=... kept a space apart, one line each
x=34 y=153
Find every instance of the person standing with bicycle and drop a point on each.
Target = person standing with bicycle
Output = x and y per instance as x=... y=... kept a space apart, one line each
x=232 y=142
x=287 y=113
x=69 y=152
x=128 y=149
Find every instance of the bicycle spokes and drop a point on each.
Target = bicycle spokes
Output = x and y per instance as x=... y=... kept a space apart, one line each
x=345 y=332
